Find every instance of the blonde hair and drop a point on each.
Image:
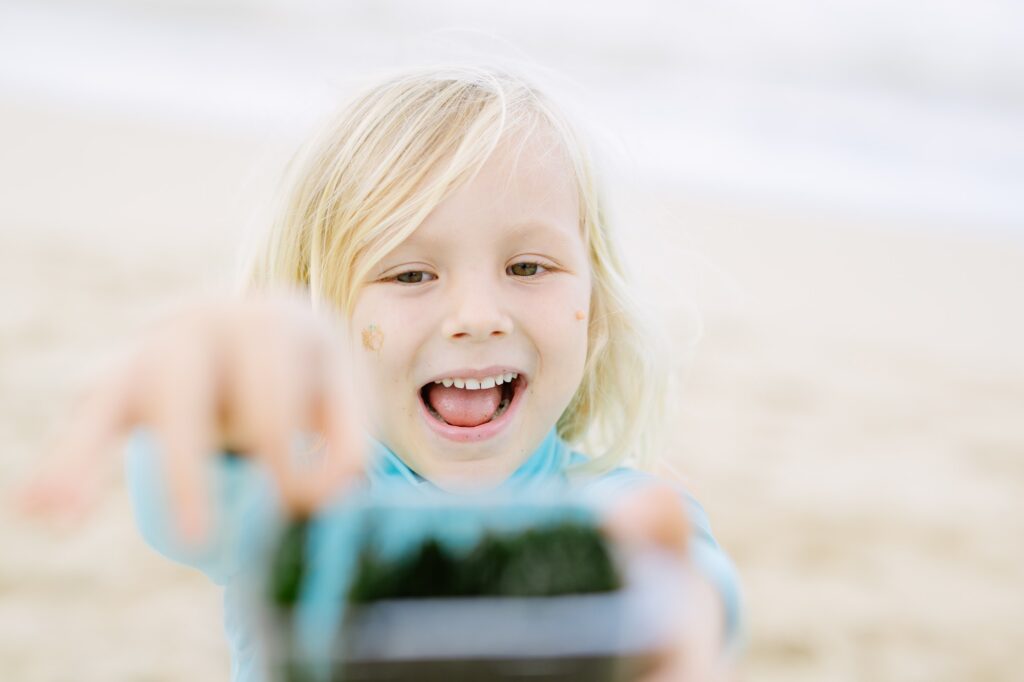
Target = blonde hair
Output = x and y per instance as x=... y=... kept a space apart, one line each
x=368 y=180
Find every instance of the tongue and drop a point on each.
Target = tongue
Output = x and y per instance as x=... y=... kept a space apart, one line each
x=462 y=407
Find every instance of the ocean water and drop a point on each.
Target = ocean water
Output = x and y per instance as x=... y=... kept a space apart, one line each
x=906 y=110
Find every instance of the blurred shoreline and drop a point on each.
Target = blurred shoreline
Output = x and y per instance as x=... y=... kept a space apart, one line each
x=886 y=129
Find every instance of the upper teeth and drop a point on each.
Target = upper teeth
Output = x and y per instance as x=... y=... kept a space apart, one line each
x=474 y=384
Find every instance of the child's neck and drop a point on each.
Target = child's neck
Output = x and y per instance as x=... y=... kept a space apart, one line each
x=476 y=476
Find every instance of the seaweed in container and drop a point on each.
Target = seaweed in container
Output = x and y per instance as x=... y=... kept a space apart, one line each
x=469 y=597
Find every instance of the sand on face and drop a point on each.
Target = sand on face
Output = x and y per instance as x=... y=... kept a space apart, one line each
x=850 y=417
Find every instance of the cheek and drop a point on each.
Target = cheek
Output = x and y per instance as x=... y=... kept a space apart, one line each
x=373 y=338
x=387 y=337
x=564 y=338
x=375 y=333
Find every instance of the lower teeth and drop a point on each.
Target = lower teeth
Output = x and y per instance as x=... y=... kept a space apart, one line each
x=502 y=406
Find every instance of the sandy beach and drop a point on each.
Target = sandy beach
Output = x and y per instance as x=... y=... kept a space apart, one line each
x=851 y=418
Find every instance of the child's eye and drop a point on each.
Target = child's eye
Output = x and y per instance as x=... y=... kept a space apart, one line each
x=525 y=269
x=414 y=277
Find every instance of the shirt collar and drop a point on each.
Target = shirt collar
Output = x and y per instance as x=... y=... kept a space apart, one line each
x=546 y=464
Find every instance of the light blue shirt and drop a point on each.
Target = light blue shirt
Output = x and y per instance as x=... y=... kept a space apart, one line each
x=247 y=511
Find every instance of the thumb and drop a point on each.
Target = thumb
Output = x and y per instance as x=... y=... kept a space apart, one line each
x=651 y=516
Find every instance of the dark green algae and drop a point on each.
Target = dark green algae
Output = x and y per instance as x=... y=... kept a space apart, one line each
x=567 y=557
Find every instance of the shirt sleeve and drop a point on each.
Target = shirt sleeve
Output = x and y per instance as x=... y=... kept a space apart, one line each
x=244 y=508
x=709 y=558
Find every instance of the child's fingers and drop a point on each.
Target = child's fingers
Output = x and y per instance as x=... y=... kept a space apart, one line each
x=695 y=652
x=270 y=388
x=655 y=516
x=293 y=384
x=651 y=516
x=181 y=409
x=335 y=416
x=70 y=482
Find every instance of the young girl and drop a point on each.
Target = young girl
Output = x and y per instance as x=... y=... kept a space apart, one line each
x=461 y=321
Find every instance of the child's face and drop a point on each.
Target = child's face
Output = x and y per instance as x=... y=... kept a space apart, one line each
x=469 y=300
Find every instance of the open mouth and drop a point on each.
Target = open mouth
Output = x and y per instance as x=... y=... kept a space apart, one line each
x=470 y=405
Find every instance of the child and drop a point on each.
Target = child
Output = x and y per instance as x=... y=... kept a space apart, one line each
x=451 y=218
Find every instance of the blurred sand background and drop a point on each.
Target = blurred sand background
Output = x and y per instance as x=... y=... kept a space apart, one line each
x=853 y=412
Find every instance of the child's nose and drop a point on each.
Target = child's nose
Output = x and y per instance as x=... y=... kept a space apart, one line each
x=476 y=313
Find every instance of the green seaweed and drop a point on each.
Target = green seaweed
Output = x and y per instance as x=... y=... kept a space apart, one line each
x=288 y=567
x=550 y=560
x=566 y=558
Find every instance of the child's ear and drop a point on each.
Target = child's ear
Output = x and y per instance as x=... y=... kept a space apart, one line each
x=650 y=516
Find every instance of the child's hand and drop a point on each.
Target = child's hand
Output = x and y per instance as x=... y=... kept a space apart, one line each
x=654 y=518
x=241 y=375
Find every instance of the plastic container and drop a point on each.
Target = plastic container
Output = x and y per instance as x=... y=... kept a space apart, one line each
x=610 y=636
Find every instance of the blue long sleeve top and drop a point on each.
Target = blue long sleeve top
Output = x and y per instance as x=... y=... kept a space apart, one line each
x=246 y=508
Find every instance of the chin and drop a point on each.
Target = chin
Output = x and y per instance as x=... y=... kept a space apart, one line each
x=471 y=466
